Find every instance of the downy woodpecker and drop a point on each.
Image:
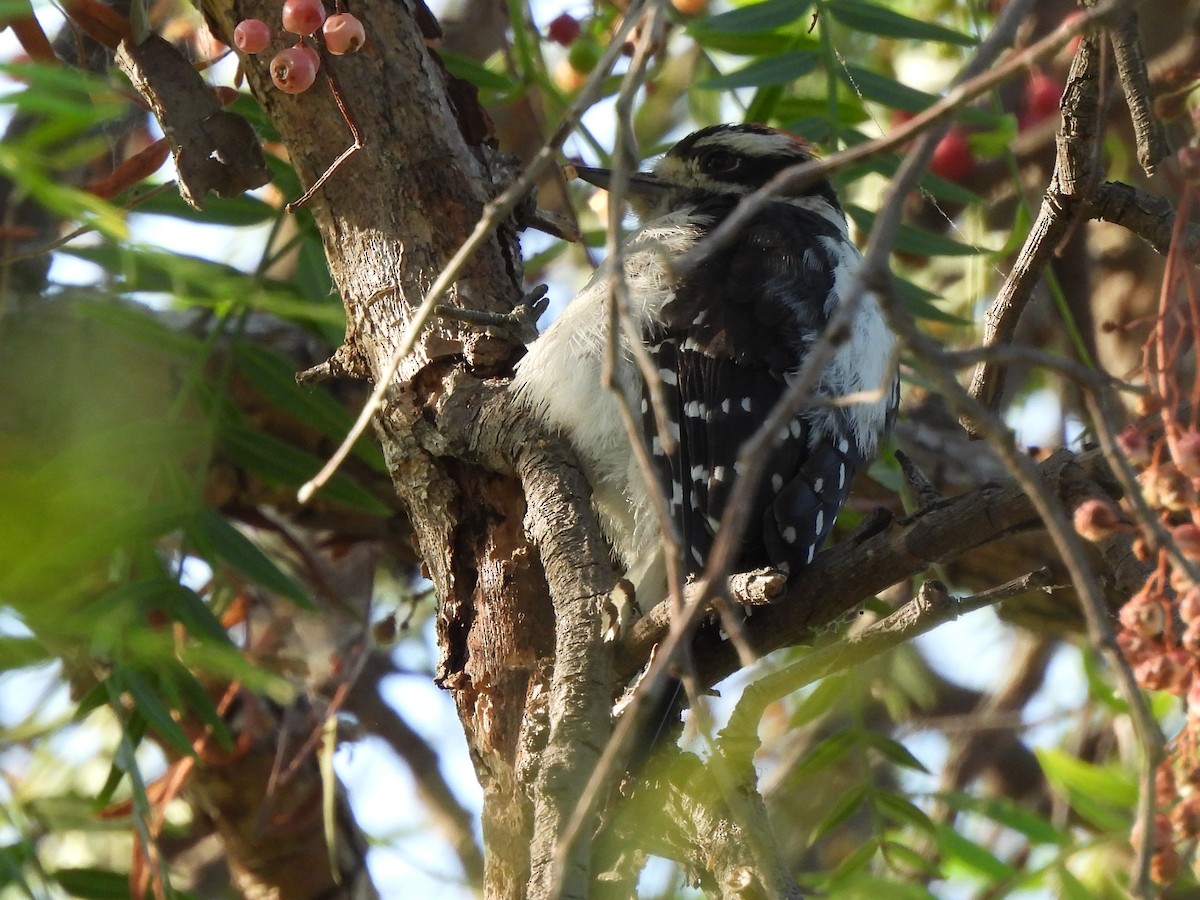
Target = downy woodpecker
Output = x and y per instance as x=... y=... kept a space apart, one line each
x=726 y=338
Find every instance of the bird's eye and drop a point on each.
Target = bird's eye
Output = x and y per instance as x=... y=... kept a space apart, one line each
x=718 y=162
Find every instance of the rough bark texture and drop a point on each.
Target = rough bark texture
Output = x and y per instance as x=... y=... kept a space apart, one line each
x=390 y=217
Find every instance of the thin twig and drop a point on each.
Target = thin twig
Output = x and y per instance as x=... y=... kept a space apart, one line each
x=1135 y=81
x=1072 y=168
x=494 y=213
x=356 y=142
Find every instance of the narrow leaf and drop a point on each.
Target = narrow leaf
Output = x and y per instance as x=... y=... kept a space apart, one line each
x=764 y=16
x=886 y=22
x=782 y=69
x=217 y=539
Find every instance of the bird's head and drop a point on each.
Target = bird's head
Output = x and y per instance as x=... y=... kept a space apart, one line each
x=720 y=160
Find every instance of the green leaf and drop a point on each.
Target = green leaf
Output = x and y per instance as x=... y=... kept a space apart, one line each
x=885 y=22
x=903 y=811
x=1108 y=784
x=764 y=16
x=843 y=809
x=824 y=754
x=19 y=652
x=1007 y=813
x=974 y=857
x=241 y=211
x=139 y=324
x=217 y=539
x=275 y=377
x=93 y=884
x=1070 y=887
x=920 y=303
x=893 y=751
x=782 y=69
x=480 y=76
x=763 y=43
x=819 y=700
x=852 y=864
x=149 y=705
x=1103 y=795
x=913 y=240
x=279 y=462
x=908 y=861
x=881 y=89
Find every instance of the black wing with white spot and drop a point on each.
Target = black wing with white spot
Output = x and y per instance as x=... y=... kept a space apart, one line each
x=723 y=352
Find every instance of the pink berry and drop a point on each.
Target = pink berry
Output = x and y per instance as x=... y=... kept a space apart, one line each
x=303 y=16
x=1136 y=446
x=563 y=30
x=313 y=56
x=251 y=36
x=344 y=34
x=1186 y=453
x=294 y=70
x=1187 y=539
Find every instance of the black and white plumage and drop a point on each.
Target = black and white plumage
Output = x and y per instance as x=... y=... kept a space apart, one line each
x=726 y=338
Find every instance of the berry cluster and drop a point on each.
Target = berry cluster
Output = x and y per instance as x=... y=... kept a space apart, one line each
x=1159 y=626
x=294 y=69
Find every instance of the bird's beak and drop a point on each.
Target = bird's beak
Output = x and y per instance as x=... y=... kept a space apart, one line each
x=641 y=186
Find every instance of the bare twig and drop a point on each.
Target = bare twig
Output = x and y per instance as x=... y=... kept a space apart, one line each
x=1072 y=169
x=1131 y=66
x=356 y=142
x=1150 y=218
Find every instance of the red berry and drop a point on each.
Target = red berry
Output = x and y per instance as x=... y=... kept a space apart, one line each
x=344 y=34
x=251 y=36
x=952 y=159
x=303 y=16
x=294 y=70
x=563 y=30
x=1040 y=101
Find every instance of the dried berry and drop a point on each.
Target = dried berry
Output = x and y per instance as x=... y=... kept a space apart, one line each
x=1134 y=443
x=1185 y=451
x=1185 y=817
x=1189 y=606
x=1096 y=519
x=1187 y=539
x=1165 y=866
x=1144 y=615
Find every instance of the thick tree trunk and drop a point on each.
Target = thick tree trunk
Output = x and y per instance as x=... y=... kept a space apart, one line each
x=390 y=217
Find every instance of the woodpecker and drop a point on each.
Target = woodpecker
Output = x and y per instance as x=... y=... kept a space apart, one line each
x=726 y=337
